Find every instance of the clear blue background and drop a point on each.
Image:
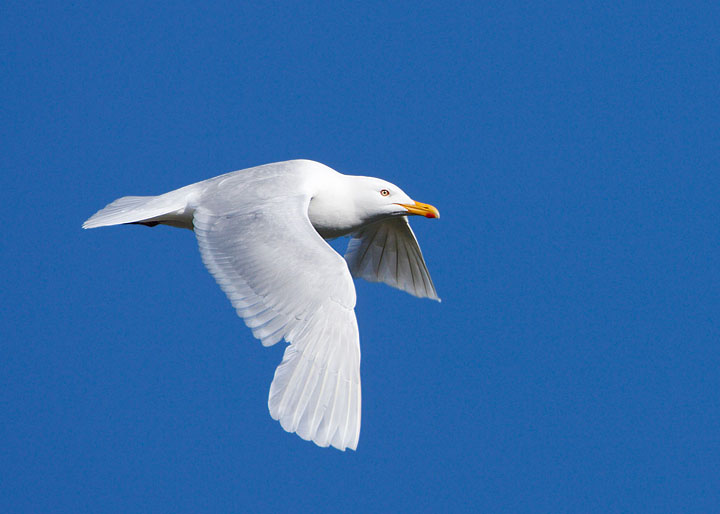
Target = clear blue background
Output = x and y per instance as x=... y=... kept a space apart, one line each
x=572 y=149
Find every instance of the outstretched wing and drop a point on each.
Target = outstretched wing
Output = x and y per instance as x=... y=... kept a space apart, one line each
x=387 y=251
x=286 y=282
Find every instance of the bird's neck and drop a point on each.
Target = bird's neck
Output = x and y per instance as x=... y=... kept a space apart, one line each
x=332 y=209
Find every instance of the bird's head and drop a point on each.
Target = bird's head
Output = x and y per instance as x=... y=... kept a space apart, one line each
x=346 y=203
x=377 y=198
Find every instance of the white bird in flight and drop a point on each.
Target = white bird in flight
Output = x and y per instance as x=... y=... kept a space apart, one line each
x=261 y=234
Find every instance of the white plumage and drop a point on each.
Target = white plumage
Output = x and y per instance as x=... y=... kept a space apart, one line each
x=260 y=232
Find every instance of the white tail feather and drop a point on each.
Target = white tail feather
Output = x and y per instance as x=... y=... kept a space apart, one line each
x=170 y=209
x=123 y=210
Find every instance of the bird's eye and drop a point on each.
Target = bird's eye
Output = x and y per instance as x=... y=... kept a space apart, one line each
x=384 y=192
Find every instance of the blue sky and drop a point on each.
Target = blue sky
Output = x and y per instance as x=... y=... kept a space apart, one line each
x=572 y=149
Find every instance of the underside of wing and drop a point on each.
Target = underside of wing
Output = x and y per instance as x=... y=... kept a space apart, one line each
x=286 y=282
x=316 y=388
x=388 y=252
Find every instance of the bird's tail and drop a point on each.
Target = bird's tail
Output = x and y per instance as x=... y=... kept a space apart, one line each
x=169 y=209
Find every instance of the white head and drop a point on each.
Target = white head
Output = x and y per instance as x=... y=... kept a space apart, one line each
x=375 y=199
x=354 y=202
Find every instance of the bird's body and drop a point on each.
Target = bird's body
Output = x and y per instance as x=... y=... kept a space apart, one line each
x=260 y=233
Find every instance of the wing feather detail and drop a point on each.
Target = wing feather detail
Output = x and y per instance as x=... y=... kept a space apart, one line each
x=287 y=283
x=388 y=252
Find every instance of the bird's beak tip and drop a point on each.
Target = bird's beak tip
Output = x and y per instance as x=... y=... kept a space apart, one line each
x=421 y=209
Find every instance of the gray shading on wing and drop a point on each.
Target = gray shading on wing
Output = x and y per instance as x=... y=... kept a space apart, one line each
x=388 y=252
x=286 y=282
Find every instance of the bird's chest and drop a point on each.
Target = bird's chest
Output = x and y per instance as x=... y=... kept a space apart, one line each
x=333 y=219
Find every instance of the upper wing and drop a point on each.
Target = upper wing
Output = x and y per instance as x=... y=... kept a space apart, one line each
x=387 y=251
x=286 y=282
